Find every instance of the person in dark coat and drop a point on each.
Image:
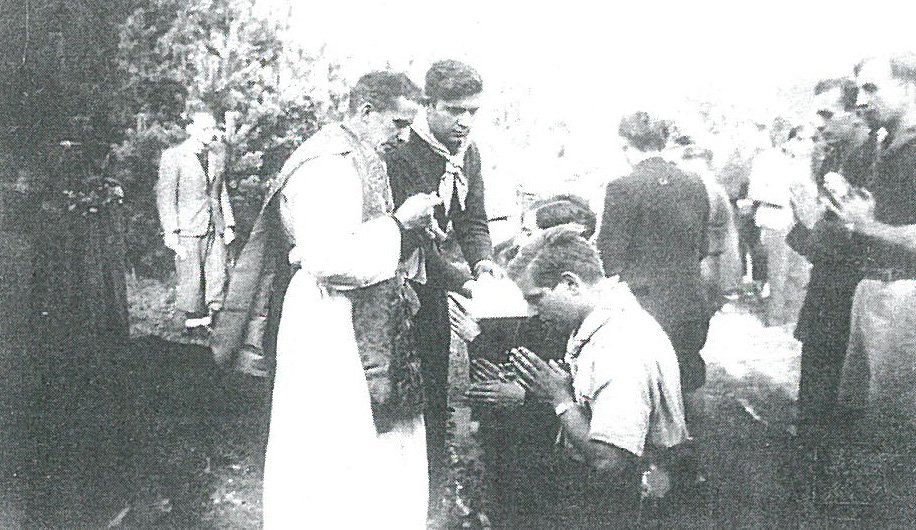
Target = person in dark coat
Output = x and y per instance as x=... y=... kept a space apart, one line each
x=439 y=157
x=653 y=235
x=835 y=254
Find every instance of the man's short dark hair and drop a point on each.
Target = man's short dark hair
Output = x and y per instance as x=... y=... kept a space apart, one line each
x=450 y=79
x=563 y=209
x=848 y=90
x=555 y=251
x=644 y=132
x=903 y=66
x=382 y=89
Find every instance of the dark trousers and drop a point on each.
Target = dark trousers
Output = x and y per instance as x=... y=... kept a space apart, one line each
x=821 y=366
x=433 y=333
x=688 y=338
x=749 y=244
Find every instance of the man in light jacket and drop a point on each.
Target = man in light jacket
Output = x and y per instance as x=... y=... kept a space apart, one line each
x=196 y=218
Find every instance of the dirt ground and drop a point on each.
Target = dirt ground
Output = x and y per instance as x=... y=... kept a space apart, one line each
x=159 y=438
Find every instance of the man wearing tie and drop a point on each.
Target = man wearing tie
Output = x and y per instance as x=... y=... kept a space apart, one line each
x=197 y=221
x=438 y=157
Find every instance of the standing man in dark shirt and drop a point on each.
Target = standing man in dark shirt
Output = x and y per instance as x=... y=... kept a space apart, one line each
x=835 y=254
x=879 y=374
x=439 y=157
x=654 y=235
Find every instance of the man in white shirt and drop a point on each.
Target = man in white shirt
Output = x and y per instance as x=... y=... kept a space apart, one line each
x=621 y=399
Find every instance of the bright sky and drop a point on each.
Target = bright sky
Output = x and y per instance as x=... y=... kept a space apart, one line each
x=645 y=50
x=587 y=62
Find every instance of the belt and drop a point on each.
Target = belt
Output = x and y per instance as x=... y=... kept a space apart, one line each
x=889 y=274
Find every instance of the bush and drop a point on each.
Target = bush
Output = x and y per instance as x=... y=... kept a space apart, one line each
x=269 y=95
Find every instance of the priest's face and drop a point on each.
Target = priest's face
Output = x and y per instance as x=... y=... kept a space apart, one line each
x=451 y=120
x=382 y=125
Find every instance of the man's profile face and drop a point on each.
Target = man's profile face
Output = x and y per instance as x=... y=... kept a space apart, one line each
x=382 y=125
x=833 y=122
x=558 y=306
x=450 y=120
x=882 y=98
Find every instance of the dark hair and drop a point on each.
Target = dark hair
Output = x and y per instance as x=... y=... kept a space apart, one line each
x=557 y=250
x=563 y=209
x=848 y=90
x=382 y=89
x=644 y=132
x=903 y=66
x=450 y=79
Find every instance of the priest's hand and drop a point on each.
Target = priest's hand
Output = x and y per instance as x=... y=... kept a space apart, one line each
x=489 y=268
x=417 y=211
x=228 y=235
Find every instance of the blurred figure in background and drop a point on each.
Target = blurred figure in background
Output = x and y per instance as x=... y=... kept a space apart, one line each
x=734 y=176
x=722 y=267
x=197 y=221
x=774 y=175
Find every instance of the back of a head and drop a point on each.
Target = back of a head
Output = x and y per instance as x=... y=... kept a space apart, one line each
x=563 y=209
x=382 y=89
x=450 y=80
x=555 y=251
x=644 y=132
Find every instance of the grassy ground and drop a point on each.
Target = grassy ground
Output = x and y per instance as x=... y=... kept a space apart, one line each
x=164 y=440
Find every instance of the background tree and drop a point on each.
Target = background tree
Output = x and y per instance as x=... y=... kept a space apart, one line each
x=269 y=93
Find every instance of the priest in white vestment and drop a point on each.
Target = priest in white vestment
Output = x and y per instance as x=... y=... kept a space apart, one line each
x=346 y=447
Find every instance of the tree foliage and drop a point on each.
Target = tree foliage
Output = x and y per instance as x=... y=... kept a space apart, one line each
x=269 y=94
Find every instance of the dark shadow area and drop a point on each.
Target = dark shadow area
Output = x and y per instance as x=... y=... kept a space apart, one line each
x=143 y=434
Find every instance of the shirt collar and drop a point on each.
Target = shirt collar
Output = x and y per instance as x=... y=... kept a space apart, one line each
x=609 y=304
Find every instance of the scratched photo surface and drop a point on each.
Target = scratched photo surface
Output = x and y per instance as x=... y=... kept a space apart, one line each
x=169 y=209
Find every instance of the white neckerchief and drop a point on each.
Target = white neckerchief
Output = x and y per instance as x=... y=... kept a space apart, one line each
x=453 y=181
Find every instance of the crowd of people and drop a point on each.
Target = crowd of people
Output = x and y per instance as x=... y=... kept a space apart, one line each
x=596 y=406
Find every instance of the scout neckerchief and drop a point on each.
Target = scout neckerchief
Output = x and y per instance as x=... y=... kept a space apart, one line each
x=454 y=183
